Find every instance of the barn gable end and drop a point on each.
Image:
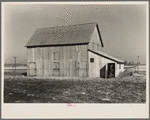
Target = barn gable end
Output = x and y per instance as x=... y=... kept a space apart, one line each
x=96 y=41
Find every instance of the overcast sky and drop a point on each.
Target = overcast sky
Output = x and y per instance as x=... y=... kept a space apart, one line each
x=122 y=27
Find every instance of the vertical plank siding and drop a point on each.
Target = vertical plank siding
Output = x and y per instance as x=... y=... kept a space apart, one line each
x=71 y=60
x=28 y=72
x=46 y=61
x=40 y=62
x=94 y=46
x=50 y=52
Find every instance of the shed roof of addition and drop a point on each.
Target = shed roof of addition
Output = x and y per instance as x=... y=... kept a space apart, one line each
x=63 y=35
x=100 y=53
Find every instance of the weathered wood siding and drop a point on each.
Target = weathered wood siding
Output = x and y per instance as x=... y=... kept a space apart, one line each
x=59 y=60
x=30 y=61
x=98 y=64
x=95 y=43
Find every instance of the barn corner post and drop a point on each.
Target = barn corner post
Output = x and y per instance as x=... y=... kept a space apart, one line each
x=27 y=61
x=106 y=71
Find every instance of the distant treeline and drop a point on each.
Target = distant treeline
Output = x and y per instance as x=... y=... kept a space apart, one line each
x=12 y=64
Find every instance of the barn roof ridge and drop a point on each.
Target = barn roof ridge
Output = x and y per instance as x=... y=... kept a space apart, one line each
x=70 y=25
x=59 y=35
x=107 y=56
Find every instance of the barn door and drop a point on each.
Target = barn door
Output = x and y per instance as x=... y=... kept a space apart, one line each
x=80 y=69
x=83 y=69
x=56 y=69
x=111 y=70
x=32 y=69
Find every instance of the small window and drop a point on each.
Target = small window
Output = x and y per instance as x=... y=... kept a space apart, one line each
x=91 y=59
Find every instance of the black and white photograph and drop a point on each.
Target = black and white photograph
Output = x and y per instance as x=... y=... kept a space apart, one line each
x=75 y=53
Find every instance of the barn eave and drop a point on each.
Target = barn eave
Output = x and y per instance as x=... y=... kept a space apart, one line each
x=107 y=56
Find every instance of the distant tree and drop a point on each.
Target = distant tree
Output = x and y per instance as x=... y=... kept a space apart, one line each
x=125 y=62
x=131 y=63
x=138 y=63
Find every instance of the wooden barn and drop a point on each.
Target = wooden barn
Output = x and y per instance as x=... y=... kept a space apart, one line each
x=73 y=51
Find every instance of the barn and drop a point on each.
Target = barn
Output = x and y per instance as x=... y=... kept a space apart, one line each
x=70 y=51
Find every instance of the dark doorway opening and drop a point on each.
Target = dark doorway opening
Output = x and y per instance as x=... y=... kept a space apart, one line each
x=111 y=70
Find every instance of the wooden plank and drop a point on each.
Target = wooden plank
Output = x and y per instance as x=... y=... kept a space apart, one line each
x=41 y=61
x=71 y=68
x=27 y=62
x=61 y=61
x=69 y=52
x=94 y=46
x=84 y=53
x=68 y=67
x=56 y=58
x=29 y=55
x=30 y=60
x=79 y=53
x=75 y=53
x=73 y=60
x=55 y=54
x=42 y=58
x=45 y=62
x=80 y=69
x=38 y=61
x=65 y=67
x=61 y=67
x=56 y=68
x=61 y=53
x=35 y=54
x=87 y=64
x=65 y=49
x=83 y=69
x=32 y=69
x=76 y=68
x=50 y=61
x=65 y=52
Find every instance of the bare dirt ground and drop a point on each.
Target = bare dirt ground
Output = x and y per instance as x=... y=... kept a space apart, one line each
x=126 y=89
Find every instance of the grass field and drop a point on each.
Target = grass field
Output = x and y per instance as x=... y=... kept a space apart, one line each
x=21 y=89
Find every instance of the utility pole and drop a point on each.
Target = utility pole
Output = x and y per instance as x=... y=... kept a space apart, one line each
x=138 y=64
x=15 y=62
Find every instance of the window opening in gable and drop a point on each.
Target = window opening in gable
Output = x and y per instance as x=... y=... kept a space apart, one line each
x=91 y=59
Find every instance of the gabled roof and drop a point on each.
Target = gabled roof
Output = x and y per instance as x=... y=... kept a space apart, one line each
x=63 y=35
x=106 y=56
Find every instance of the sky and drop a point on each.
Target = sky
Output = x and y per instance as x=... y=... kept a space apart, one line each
x=122 y=27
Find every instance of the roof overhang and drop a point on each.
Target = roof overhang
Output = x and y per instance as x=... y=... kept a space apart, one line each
x=56 y=45
x=106 y=56
x=99 y=35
